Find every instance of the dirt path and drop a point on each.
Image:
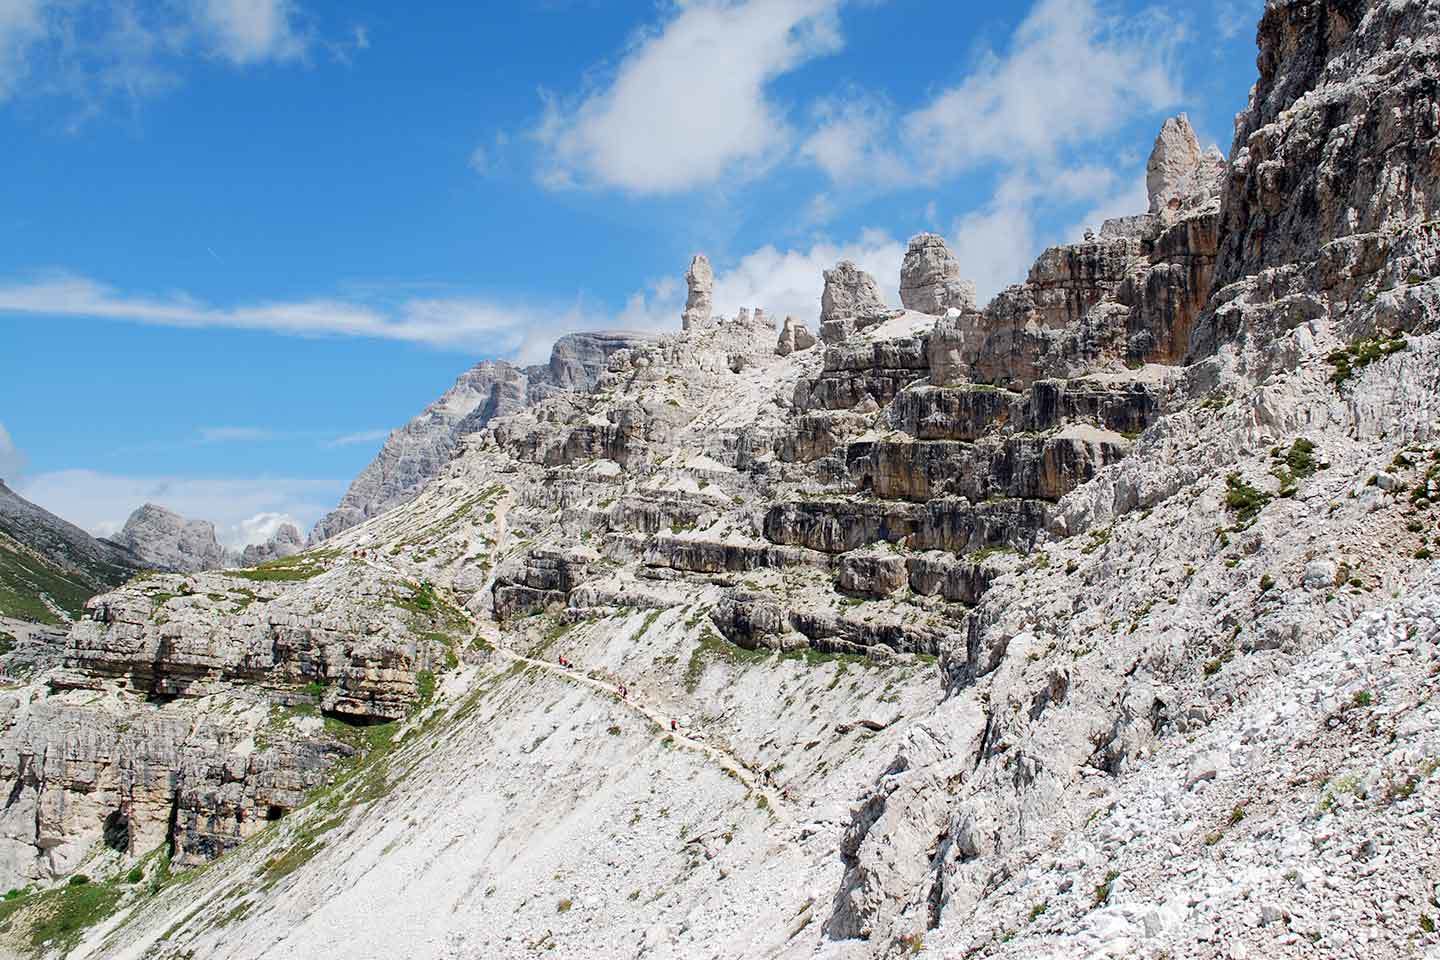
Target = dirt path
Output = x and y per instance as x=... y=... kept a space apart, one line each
x=732 y=764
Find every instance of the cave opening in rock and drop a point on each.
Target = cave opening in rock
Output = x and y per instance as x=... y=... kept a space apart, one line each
x=274 y=812
x=117 y=831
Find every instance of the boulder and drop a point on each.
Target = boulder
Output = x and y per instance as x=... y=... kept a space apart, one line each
x=794 y=337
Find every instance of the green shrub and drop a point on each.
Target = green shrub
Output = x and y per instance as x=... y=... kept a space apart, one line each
x=1363 y=352
x=1243 y=500
x=79 y=880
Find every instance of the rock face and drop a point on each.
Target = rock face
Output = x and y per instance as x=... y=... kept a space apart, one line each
x=1178 y=170
x=930 y=279
x=164 y=540
x=851 y=301
x=418 y=451
x=48 y=567
x=700 y=284
x=1099 y=622
x=793 y=336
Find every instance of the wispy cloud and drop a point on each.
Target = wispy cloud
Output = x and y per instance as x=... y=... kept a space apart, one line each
x=689 y=103
x=356 y=439
x=458 y=323
x=229 y=434
x=92 y=51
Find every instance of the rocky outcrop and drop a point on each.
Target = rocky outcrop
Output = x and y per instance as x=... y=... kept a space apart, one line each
x=1179 y=173
x=850 y=302
x=164 y=540
x=285 y=542
x=171 y=636
x=418 y=451
x=930 y=280
x=539 y=579
x=794 y=336
x=700 y=287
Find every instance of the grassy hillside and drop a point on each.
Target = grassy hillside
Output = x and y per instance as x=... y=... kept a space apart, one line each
x=27 y=582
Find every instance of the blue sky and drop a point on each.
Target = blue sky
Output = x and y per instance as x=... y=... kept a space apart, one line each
x=244 y=238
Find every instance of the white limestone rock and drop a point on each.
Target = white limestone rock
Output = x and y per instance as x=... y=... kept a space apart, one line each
x=794 y=336
x=850 y=302
x=700 y=284
x=930 y=280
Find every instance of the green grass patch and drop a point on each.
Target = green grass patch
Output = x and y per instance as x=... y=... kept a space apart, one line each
x=60 y=916
x=300 y=566
x=711 y=648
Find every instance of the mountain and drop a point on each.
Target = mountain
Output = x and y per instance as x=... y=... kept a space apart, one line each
x=167 y=541
x=49 y=568
x=1098 y=621
x=418 y=451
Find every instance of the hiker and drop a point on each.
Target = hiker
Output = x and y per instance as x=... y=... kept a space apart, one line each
x=672 y=725
x=622 y=691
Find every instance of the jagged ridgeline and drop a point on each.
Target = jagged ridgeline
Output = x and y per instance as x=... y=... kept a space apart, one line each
x=1096 y=621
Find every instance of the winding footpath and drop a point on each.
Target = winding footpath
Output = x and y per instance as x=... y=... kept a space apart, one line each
x=723 y=758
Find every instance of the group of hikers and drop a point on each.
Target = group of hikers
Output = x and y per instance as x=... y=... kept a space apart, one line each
x=620 y=687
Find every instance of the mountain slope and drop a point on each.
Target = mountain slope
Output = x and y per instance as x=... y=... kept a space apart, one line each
x=1098 y=622
x=48 y=567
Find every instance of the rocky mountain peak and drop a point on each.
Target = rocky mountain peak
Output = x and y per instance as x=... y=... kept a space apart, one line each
x=164 y=540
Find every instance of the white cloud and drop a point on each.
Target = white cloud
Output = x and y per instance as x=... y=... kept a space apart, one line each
x=1234 y=16
x=229 y=434
x=256 y=529
x=251 y=31
x=356 y=439
x=101 y=502
x=1072 y=74
x=689 y=103
x=791 y=281
x=853 y=141
x=12 y=461
x=997 y=243
x=778 y=281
